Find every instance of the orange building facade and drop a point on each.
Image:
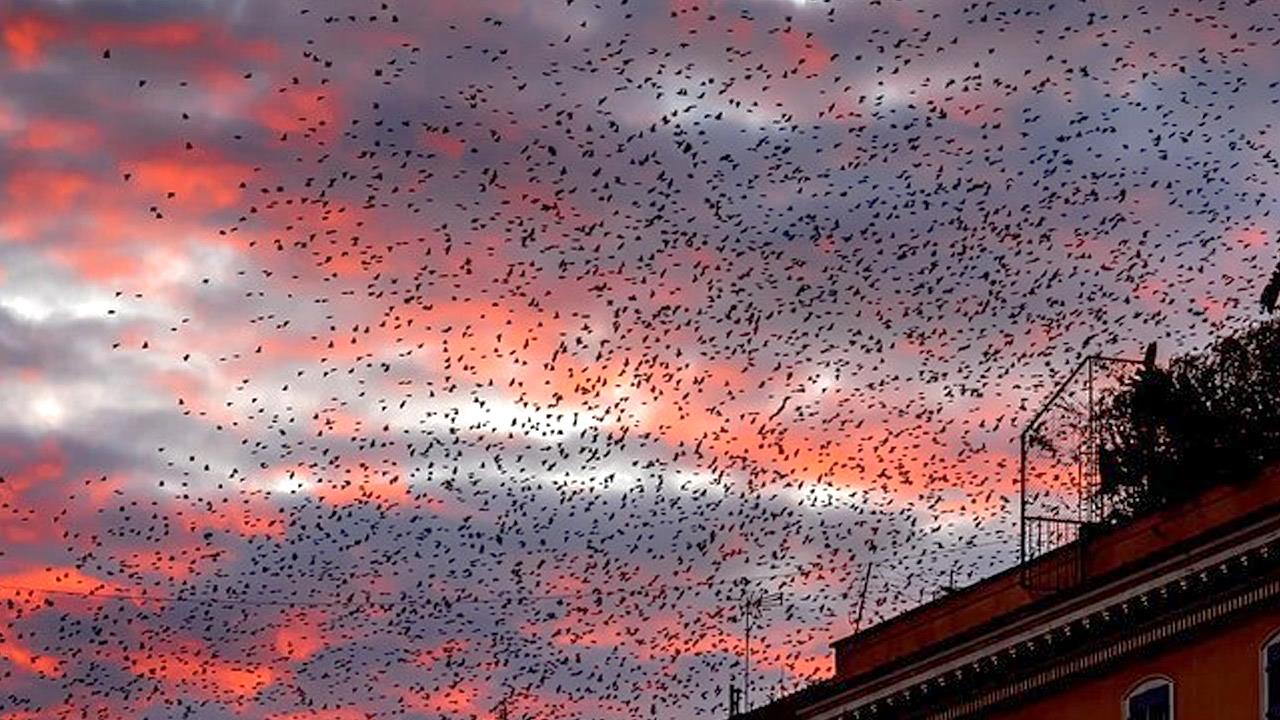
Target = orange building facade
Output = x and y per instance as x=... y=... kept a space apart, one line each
x=1175 y=616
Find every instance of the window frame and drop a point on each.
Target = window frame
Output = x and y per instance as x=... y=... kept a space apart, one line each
x=1272 y=640
x=1149 y=683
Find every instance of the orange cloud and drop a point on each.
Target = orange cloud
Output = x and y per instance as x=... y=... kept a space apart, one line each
x=99 y=262
x=41 y=665
x=238 y=518
x=161 y=35
x=46 y=134
x=335 y=714
x=358 y=481
x=49 y=189
x=433 y=655
x=806 y=52
x=300 y=640
x=174 y=563
x=188 y=668
x=24 y=38
x=1250 y=237
x=33 y=585
x=193 y=395
x=30 y=466
x=198 y=180
x=450 y=146
x=294 y=110
x=461 y=698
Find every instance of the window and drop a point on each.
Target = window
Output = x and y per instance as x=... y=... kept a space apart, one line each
x=1271 y=679
x=1151 y=700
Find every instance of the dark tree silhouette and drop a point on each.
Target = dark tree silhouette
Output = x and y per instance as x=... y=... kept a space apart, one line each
x=1271 y=293
x=1204 y=420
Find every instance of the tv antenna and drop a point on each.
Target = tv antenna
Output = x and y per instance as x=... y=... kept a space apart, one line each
x=753 y=604
x=856 y=620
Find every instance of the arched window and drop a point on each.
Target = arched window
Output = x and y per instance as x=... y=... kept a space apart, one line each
x=1271 y=678
x=1150 y=700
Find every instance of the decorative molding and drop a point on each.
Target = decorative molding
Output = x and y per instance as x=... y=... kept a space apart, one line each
x=1248 y=563
x=1124 y=647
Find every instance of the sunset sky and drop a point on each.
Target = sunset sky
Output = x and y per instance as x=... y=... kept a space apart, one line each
x=400 y=359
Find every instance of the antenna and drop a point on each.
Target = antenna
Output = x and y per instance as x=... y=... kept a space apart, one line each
x=862 y=597
x=753 y=603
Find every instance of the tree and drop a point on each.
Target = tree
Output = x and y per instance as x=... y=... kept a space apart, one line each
x=1271 y=293
x=1204 y=420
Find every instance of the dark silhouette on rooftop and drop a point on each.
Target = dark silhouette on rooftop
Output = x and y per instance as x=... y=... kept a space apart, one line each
x=1271 y=293
x=1203 y=420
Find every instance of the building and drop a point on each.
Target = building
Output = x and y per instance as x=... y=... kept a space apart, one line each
x=1174 y=616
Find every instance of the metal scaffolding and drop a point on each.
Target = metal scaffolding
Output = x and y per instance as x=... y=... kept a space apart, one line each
x=1059 y=483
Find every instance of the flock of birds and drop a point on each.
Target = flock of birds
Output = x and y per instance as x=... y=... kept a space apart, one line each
x=552 y=331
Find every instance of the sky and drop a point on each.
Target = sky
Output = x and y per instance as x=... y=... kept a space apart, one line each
x=450 y=359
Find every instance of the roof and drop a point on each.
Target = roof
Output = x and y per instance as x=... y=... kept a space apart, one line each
x=1116 y=558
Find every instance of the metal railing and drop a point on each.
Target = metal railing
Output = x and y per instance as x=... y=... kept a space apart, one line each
x=1060 y=489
